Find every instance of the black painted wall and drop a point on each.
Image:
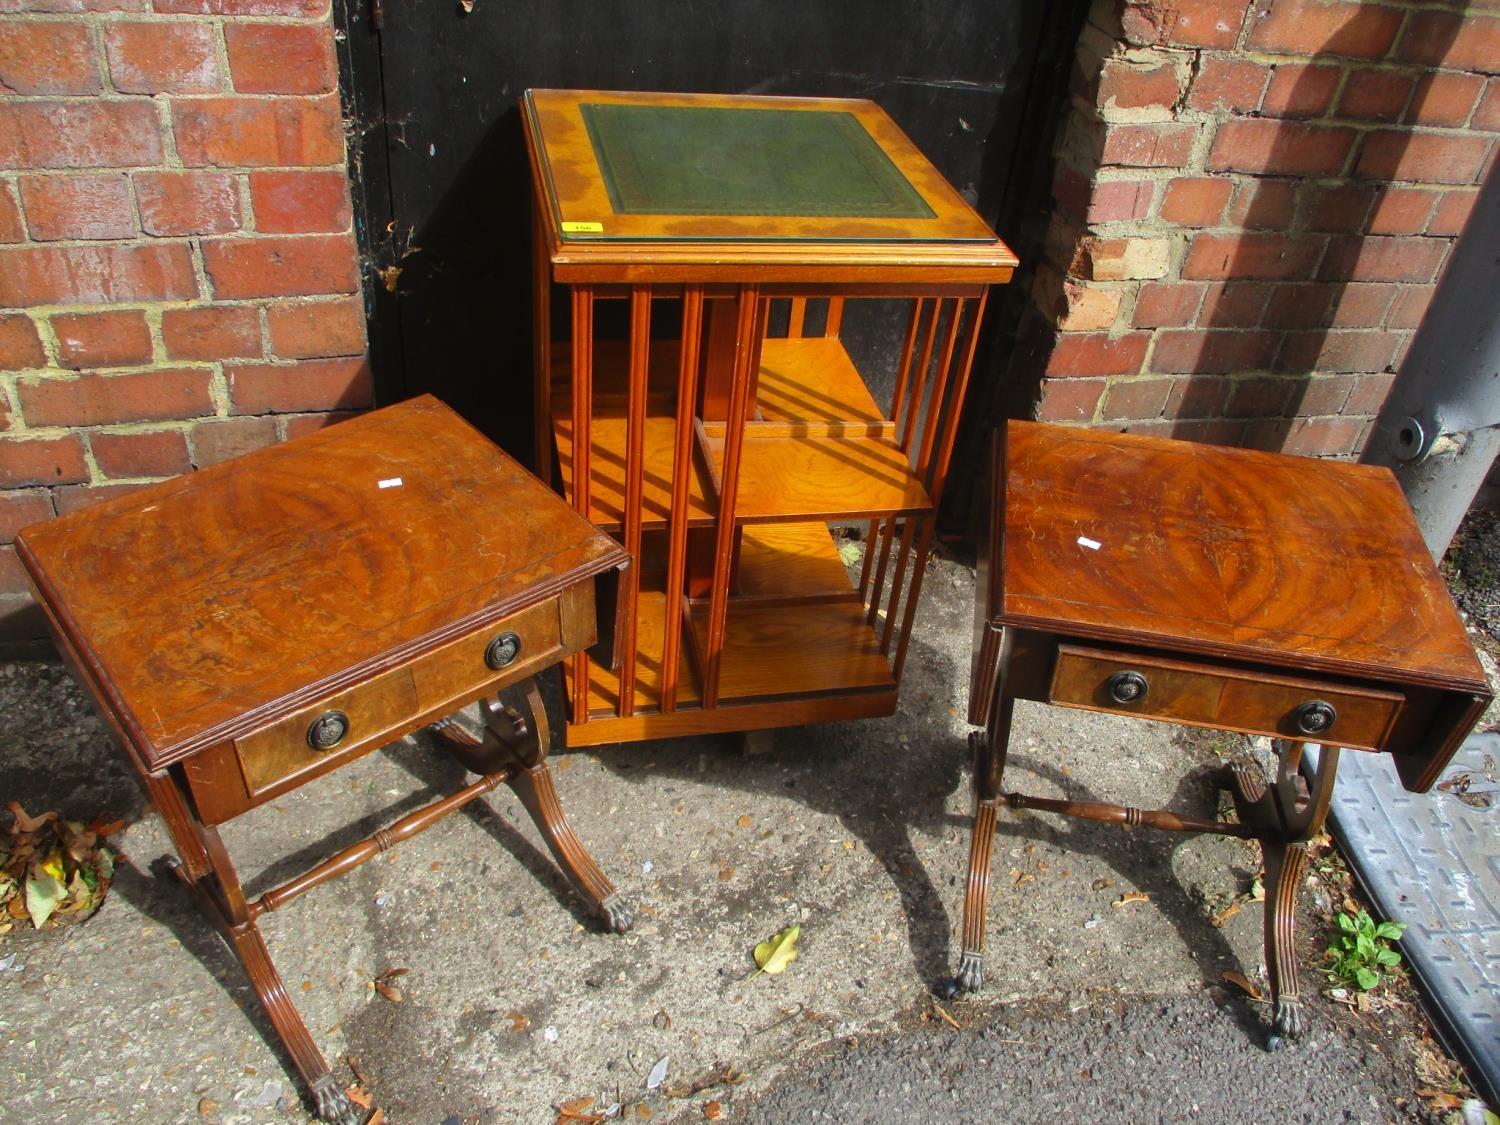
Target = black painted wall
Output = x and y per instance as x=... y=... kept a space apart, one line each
x=440 y=166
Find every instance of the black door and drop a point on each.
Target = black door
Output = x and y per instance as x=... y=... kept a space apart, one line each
x=440 y=167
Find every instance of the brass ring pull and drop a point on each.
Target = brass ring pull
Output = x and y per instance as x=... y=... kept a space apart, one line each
x=327 y=730
x=502 y=651
x=1127 y=687
x=1314 y=716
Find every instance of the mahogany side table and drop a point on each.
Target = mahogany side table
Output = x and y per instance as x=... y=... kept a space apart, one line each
x=1221 y=588
x=255 y=625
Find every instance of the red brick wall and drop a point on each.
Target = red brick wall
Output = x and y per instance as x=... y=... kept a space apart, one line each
x=1253 y=202
x=178 y=273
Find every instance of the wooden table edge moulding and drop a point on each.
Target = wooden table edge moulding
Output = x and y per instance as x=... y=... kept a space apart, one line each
x=1221 y=588
x=255 y=625
x=695 y=270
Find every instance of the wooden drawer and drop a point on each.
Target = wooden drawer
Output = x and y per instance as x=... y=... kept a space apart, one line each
x=366 y=712
x=371 y=713
x=458 y=672
x=1235 y=699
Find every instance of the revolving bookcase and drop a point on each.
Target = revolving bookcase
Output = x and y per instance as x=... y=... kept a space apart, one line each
x=694 y=259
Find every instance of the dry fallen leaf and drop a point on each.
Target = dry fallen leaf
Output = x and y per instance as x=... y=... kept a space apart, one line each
x=726 y=874
x=1243 y=983
x=949 y=1020
x=519 y=1021
x=1224 y=915
x=1439 y=1099
x=745 y=821
x=384 y=986
x=207 y=1107
x=713 y=1110
x=642 y=1110
x=1131 y=896
x=576 y=1109
x=30 y=823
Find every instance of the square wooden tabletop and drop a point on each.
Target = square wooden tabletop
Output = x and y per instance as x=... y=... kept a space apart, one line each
x=1227 y=552
x=221 y=593
x=704 y=170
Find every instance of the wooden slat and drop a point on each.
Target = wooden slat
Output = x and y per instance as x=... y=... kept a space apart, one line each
x=869 y=558
x=945 y=450
x=795 y=317
x=541 y=352
x=913 y=597
x=835 y=316
x=682 y=470
x=640 y=353
x=747 y=328
x=919 y=381
x=936 y=415
x=878 y=589
x=903 y=369
x=898 y=580
x=583 y=374
x=937 y=475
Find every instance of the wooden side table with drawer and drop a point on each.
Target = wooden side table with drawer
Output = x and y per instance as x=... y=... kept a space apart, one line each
x=255 y=625
x=1221 y=588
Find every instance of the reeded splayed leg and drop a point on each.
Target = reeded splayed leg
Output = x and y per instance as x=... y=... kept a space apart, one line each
x=517 y=738
x=988 y=750
x=1285 y=816
x=206 y=871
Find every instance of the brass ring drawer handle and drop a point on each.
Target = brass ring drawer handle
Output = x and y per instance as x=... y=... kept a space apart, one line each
x=502 y=651
x=1127 y=687
x=1314 y=716
x=327 y=730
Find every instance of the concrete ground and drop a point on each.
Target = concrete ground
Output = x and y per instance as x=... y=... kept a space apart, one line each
x=513 y=1002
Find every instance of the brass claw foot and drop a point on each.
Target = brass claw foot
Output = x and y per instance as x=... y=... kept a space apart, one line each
x=971 y=972
x=1287 y=1024
x=618 y=915
x=333 y=1104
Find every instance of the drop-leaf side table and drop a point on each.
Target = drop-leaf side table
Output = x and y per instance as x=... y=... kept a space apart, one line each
x=1222 y=588
x=250 y=627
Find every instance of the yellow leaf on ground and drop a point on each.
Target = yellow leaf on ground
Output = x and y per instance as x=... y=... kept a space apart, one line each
x=713 y=1110
x=1131 y=896
x=774 y=955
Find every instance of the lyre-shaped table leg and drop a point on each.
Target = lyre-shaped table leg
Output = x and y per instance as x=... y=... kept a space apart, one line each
x=518 y=738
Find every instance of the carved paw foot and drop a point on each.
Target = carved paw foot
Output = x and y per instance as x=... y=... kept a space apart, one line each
x=971 y=972
x=618 y=916
x=1287 y=1024
x=333 y=1104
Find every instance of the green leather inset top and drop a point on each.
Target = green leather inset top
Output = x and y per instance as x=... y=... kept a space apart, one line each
x=708 y=160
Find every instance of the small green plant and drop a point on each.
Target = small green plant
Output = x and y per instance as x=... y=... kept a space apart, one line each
x=1362 y=949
